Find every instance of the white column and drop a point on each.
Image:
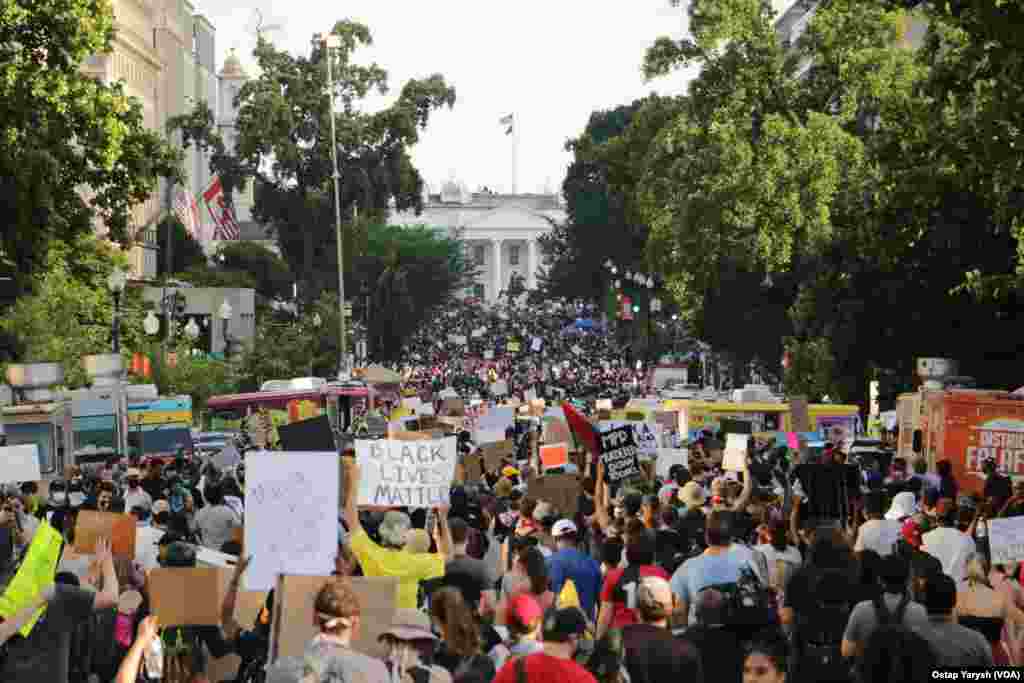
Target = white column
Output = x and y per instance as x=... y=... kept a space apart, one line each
x=497 y=268
x=531 y=264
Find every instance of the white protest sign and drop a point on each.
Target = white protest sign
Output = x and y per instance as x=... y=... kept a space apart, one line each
x=646 y=434
x=1006 y=539
x=667 y=457
x=537 y=343
x=19 y=463
x=412 y=403
x=291 y=524
x=425 y=409
x=499 y=388
x=488 y=355
x=486 y=436
x=406 y=473
x=476 y=334
x=461 y=340
x=453 y=338
x=735 y=452
x=530 y=395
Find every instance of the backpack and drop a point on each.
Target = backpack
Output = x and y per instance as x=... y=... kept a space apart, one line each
x=887 y=618
x=819 y=633
x=747 y=602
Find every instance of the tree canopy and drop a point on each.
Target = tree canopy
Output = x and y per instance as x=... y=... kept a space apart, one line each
x=63 y=132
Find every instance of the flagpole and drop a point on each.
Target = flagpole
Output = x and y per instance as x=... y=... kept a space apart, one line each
x=515 y=153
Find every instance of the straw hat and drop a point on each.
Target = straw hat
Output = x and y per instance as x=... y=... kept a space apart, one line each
x=692 y=495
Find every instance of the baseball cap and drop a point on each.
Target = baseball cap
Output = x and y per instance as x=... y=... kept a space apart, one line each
x=561 y=624
x=911 y=532
x=523 y=609
x=563 y=527
x=654 y=591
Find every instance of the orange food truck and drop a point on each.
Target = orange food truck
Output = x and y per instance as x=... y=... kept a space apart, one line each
x=964 y=426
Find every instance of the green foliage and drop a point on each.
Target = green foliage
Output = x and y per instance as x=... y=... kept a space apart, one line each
x=62 y=131
x=811 y=369
x=270 y=273
x=410 y=272
x=71 y=312
x=186 y=252
x=198 y=376
x=284 y=142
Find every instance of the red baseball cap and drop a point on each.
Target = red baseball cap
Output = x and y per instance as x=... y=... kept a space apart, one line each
x=911 y=532
x=523 y=609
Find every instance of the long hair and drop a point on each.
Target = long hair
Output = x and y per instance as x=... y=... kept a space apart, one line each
x=460 y=626
x=977 y=570
x=536 y=570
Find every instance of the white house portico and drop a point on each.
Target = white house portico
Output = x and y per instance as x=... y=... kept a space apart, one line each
x=500 y=232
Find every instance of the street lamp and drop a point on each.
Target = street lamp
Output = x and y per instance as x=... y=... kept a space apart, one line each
x=608 y=264
x=332 y=41
x=650 y=282
x=192 y=330
x=116 y=282
x=225 y=312
x=317 y=320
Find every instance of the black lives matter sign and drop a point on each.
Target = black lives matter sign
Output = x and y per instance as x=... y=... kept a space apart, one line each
x=619 y=454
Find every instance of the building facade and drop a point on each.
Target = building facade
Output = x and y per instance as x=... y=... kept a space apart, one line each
x=164 y=53
x=500 y=232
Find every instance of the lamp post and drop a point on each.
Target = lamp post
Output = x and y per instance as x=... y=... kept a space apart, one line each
x=225 y=314
x=316 y=321
x=364 y=292
x=116 y=282
x=192 y=331
x=329 y=42
x=151 y=324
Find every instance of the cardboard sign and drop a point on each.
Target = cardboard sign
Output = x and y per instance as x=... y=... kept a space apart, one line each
x=554 y=455
x=484 y=437
x=495 y=454
x=1006 y=539
x=19 y=463
x=396 y=473
x=667 y=457
x=561 y=490
x=293 y=613
x=118 y=528
x=619 y=454
x=799 y=420
x=187 y=597
x=473 y=467
x=735 y=452
x=453 y=407
x=670 y=420
x=290 y=522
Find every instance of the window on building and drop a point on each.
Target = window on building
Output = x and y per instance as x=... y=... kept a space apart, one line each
x=478 y=291
x=478 y=254
x=513 y=255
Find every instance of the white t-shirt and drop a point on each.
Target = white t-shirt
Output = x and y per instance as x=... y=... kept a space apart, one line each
x=791 y=554
x=879 y=535
x=137 y=498
x=147 y=552
x=951 y=547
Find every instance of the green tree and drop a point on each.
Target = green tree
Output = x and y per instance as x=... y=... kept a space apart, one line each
x=195 y=375
x=186 y=252
x=63 y=131
x=270 y=273
x=284 y=138
x=71 y=312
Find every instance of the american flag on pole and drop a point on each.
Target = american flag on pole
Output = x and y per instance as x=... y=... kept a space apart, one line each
x=508 y=120
x=187 y=211
x=222 y=214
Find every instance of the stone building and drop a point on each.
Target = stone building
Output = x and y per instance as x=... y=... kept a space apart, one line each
x=499 y=231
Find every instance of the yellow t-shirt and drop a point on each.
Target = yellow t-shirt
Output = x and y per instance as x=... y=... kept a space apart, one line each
x=408 y=568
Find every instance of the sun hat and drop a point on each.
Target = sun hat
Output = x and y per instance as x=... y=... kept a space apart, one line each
x=409 y=624
x=903 y=505
x=692 y=495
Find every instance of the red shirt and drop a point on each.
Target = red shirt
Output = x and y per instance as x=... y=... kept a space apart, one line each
x=619 y=595
x=544 y=667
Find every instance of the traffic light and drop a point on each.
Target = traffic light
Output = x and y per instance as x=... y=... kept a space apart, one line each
x=179 y=305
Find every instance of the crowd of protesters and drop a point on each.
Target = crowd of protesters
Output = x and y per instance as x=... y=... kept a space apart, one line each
x=700 y=576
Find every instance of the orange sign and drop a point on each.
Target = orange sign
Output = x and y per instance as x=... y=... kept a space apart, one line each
x=119 y=528
x=554 y=455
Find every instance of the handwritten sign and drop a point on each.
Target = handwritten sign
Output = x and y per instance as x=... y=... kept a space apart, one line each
x=647 y=435
x=619 y=454
x=1006 y=539
x=406 y=473
x=291 y=525
x=735 y=452
x=19 y=463
x=554 y=455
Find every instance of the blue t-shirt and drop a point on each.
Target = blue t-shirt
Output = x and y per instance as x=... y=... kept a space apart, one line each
x=585 y=572
x=697 y=573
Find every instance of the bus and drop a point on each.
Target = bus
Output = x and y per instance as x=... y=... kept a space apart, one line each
x=152 y=425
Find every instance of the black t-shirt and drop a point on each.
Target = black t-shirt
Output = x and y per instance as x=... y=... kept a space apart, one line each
x=45 y=655
x=720 y=652
x=654 y=655
x=998 y=489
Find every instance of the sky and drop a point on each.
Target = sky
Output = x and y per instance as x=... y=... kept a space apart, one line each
x=550 y=63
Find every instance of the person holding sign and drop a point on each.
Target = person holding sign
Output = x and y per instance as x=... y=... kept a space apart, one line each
x=392 y=558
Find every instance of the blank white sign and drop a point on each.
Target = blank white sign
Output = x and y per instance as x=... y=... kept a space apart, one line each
x=19 y=463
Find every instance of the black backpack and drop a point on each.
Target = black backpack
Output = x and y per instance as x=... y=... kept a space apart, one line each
x=820 y=629
x=887 y=618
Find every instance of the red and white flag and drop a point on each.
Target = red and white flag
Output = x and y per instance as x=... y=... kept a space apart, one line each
x=187 y=211
x=223 y=216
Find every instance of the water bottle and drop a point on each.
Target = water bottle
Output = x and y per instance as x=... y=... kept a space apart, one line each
x=155 y=660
